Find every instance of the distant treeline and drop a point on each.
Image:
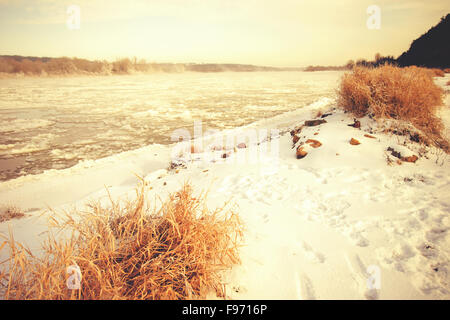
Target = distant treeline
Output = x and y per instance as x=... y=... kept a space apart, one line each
x=379 y=61
x=326 y=68
x=70 y=66
x=233 y=67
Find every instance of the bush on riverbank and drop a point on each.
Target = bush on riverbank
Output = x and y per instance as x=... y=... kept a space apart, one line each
x=390 y=92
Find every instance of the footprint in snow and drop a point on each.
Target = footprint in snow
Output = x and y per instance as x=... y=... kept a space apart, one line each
x=311 y=254
x=436 y=234
x=304 y=287
x=265 y=218
x=358 y=239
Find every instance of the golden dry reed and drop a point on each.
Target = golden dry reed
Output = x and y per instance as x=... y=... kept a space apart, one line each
x=130 y=252
x=437 y=72
x=408 y=94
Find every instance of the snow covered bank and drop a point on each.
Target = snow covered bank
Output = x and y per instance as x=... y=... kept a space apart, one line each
x=343 y=222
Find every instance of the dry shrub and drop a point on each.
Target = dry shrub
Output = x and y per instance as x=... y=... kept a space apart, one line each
x=87 y=66
x=60 y=66
x=10 y=212
x=122 y=66
x=389 y=92
x=447 y=70
x=130 y=252
x=6 y=66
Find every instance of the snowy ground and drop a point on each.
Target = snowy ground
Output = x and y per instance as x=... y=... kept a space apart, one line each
x=340 y=223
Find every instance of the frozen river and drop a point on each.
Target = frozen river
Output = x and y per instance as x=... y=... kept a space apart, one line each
x=53 y=123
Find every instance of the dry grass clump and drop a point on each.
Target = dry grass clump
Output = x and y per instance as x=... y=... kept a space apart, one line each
x=130 y=252
x=448 y=83
x=10 y=212
x=437 y=72
x=390 y=92
x=447 y=70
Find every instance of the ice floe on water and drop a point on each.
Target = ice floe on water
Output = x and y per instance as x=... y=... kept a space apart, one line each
x=20 y=125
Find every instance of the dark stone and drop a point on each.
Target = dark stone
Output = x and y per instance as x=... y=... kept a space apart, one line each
x=313 y=123
x=296 y=130
x=394 y=153
x=414 y=137
x=356 y=124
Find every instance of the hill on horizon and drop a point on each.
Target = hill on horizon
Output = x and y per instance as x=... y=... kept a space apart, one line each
x=432 y=49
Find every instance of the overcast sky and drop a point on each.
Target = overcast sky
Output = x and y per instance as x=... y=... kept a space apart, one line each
x=263 y=32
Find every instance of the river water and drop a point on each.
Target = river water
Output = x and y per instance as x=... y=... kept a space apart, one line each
x=53 y=123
